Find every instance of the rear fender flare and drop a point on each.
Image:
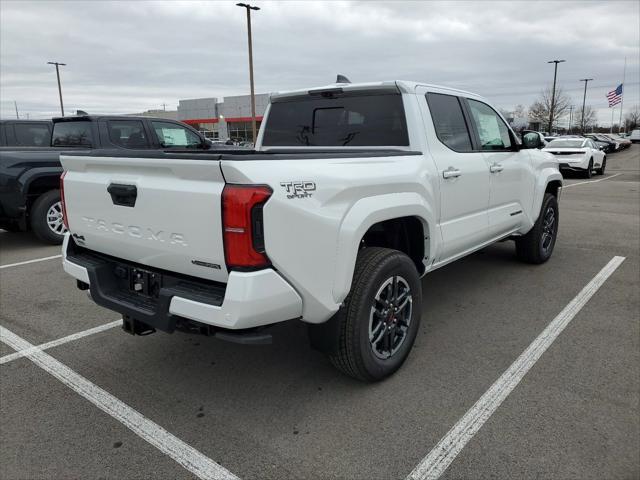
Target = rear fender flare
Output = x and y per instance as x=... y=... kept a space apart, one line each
x=367 y=212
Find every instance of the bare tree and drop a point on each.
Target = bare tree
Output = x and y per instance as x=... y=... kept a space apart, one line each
x=590 y=117
x=632 y=118
x=540 y=110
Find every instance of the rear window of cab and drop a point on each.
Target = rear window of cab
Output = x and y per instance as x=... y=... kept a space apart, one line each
x=364 y=120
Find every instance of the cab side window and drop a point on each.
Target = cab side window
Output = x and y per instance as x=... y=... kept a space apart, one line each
x=493 y=132
x=128 y=134
x=173 y=135
x=448 y=120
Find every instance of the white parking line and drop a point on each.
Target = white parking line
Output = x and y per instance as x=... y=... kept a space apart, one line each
x=441 y=456
x=187 y=456
x=60 y=341
x=35 y=260
x=591 y=181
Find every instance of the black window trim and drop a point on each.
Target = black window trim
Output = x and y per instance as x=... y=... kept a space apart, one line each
x=476 y=135
x=465 y=116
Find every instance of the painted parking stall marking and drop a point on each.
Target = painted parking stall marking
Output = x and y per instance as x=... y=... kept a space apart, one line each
x=190 y=458
x=35 y=260
x=60 y=341
x=445 y=452
x=591 y=181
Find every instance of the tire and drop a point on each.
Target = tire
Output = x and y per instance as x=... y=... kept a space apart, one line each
x=600 y=171
x=589 y=171
x=48 y=228
x=536 y=246
x=355 y=354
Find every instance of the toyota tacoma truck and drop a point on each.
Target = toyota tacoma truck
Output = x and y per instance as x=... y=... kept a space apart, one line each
x=354 y=192
x=30 y=165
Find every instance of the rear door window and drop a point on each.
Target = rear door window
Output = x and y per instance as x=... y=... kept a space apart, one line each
x=32 y=134
x=128 y=133
x=340 y=121
x=173 y=135
x=72 y=134
x=448 y=120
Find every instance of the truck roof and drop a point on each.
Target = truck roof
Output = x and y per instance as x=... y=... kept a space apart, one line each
x=402 y=86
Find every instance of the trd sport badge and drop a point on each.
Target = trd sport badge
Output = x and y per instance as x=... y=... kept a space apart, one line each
x=301 y=189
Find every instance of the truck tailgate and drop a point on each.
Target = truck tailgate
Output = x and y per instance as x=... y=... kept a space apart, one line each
x=160 y=212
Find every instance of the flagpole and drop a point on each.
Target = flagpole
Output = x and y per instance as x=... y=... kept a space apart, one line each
x=624 y=74
x=612 y=110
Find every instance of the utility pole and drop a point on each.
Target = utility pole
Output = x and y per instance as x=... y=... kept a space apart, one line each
x=570 y=119
x=58 y=65
x=253 y=96
x=553 y=93
x=584 y=99
x=16 y=105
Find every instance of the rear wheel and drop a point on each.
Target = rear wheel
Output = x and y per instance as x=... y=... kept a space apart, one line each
x=537 y=245
x=600 y=171
x=46 y=218
x=589 y=171
x=380 y=317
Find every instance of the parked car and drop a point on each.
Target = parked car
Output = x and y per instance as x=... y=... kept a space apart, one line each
x=604 y=143
x=635 y=136
x=578 y=155
x=25 y=133
x=30 y=176
x=622 y=142
x=354 y=191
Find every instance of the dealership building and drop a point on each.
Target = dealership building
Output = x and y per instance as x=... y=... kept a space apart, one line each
x=227 y=118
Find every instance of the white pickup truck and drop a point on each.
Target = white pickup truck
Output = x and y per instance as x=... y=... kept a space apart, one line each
x=354 y=191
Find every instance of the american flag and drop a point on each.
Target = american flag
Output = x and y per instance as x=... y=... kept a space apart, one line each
x=615 y=96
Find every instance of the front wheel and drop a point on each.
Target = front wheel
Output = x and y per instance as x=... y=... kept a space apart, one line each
x=379 y=320
x=46 y=218
x=537 y=245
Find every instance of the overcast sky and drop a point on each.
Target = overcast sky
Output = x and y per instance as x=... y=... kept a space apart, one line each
x=131 y=56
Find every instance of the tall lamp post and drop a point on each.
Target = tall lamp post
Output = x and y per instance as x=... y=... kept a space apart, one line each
x=253 y=96
x=58 y=65
x=553 y=94
x=584 y=99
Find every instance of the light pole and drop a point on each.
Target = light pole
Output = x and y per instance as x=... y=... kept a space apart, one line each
x=570 y=119
x=253 y=96
x=58 y=65
x=553 y=93
x=584 y=99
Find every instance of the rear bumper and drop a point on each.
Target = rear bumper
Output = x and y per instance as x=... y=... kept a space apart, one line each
x=248 y=300
x=580 y=166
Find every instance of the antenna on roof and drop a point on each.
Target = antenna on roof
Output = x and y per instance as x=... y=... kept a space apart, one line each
x=342 y=79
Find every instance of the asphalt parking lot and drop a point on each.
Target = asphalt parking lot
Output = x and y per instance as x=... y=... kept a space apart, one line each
x=282 y=412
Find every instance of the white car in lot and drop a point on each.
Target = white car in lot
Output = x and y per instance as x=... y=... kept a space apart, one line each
x=578 y=155
x=635 y=136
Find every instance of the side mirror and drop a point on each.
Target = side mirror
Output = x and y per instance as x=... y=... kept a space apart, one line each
x=531 y=140
x=601 y=147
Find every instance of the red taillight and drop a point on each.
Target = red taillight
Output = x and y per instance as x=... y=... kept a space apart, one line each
x=65 y=219
x=242 y=225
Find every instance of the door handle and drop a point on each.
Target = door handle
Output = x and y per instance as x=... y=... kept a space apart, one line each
x=495 y=168
x=451 y=173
